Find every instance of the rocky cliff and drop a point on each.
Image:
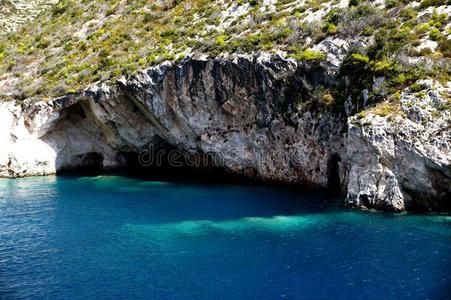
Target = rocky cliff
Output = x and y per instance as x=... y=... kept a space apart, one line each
x=261 y=116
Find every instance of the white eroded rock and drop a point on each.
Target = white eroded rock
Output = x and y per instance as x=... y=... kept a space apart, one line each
x=250 y=114
x=404 y=161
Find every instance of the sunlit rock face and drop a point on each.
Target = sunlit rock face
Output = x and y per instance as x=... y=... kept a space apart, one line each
x=22 y=153
x=402 y=162
x=256 y=116
x=244 y=112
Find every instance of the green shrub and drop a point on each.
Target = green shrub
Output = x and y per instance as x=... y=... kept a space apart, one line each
x=422 y=28
x=361 y=58
x=385 y=67
x=445 y=47
x=391 y=3
x=143 y=33
x=309 y=54
x=409 y=13
x=427 y=3
x=221 y=40
x=435 y=34
x=415 y=88
x=61 y=7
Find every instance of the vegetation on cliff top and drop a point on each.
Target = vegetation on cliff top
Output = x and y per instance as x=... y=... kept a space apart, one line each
x=78 y=42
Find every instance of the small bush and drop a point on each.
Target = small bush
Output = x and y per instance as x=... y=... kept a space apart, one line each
x=361 y=58
x=427 y=3
x=144 y=33
x=415 y=88
x=445 y=47
x=435 y=34
x=309 y=54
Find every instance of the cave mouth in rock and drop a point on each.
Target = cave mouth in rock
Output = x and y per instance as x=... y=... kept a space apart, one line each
x=76 y=112
x=90 y=163
x=160 y=161
x=167 y=163
x=333 y=174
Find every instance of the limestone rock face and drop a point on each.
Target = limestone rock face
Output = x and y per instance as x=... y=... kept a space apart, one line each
x=402 y=162
x=256 y=116
x=243 y=112
x=22 y=153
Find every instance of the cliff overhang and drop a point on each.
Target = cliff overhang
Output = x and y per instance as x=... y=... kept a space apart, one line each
x=261 y=116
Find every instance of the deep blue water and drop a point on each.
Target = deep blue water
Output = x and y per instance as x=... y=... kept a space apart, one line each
x=114 y=238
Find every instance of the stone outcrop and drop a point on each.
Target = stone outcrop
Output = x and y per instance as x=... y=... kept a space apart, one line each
x=403 y=161
x=257 y=116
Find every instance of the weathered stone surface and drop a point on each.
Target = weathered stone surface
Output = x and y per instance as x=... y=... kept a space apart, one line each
x=22 y=153
x=402 y=162
x=251 y=114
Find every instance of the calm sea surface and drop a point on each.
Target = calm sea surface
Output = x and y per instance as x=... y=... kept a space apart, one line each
x=110 y=237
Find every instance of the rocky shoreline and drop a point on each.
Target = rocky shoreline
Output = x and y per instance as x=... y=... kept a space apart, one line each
x=258 y=115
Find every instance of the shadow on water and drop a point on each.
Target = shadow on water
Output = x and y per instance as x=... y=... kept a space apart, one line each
x=294 y=198
x=210 y=175
x=308 y=199
x=175 y=220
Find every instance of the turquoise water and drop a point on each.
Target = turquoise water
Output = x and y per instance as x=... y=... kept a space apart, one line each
x=112 y=237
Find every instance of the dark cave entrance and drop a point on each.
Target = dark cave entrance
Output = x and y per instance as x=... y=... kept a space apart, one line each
x=158 y=161
x=75 y=113
x=165 y=162
x=89 y=163
x=333 y=175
